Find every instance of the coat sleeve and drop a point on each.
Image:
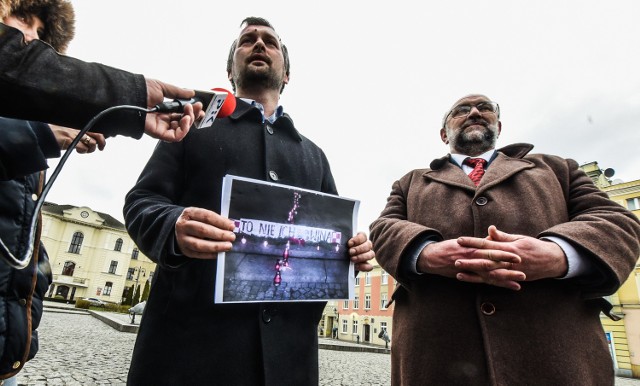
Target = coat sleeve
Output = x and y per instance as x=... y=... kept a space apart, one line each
x=25 y=147
x=602 y=230
x=150 y=211
x=394 y=237
x=37 y=83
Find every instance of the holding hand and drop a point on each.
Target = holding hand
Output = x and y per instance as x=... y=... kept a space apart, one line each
x=202 y=233
x=360 y=250
x=170 y=127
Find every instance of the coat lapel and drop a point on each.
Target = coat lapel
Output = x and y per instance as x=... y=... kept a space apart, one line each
x=508 y=162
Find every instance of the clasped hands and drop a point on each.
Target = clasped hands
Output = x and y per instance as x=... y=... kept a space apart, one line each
x=202 y=233
x=501 y=259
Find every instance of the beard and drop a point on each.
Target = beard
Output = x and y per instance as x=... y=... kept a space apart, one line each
x=475 y=141
x=258 y=78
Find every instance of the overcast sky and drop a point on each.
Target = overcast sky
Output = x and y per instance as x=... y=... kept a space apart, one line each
x=371 y=80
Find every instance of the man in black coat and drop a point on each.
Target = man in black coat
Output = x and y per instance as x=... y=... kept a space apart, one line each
x=172 y=213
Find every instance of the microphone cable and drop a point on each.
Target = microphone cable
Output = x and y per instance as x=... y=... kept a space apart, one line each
x=23 y=262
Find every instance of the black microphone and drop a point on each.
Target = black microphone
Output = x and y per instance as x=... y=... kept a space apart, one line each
x=174 y=106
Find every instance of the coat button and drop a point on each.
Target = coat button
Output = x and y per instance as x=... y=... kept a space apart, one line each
x=16 y=364
x=488 y=308
x=273 y=175
x=269 y=129
x=268 y=314
x=23 y=302
x=481 y=201
x=34 y=197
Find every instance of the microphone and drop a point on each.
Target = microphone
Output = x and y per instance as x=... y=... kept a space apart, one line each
x=222 y=104
x=219 y=103
x=174 y=106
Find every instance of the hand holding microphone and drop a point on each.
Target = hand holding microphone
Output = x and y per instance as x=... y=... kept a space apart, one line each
x=219 y=103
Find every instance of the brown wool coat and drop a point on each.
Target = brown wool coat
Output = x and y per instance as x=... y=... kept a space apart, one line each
x=549 y=332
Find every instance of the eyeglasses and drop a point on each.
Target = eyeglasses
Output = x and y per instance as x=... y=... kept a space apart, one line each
x=462 y=111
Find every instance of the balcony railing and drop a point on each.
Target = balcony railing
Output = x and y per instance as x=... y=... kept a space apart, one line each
x=69 y=279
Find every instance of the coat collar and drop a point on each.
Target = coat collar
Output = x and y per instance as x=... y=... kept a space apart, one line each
x=244 y=111
x=508 y=161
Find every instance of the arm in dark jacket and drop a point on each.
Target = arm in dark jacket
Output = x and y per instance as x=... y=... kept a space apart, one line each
x=37 y=83
x=150 y=211
x=25 y=147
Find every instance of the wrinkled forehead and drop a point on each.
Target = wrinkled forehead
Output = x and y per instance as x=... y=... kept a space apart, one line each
x=259 y=30
x=471 y=99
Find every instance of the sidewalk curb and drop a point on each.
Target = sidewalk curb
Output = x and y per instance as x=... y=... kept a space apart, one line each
x=114 y=323
x=339 y=347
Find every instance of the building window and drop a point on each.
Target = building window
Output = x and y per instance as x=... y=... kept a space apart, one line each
x=357 y=280
x=69 y=267
x=383 y=301
x=354 y=330
x=345 y=305
x=130 y=273
x=345 y=326
x=385 y=278
x=118 y=246
x=383 y=326
x=367 y=278
x=356 y=302
x=107 y=288
x=367 y=302
x=134 y=254
x=150 y=277
x=113 y=266
x=76 y=243
x=633 y=203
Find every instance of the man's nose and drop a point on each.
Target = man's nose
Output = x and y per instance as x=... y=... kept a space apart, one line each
x=474 y=111
x=259 y=45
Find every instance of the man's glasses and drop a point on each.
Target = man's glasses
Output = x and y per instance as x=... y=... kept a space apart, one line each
x=483 y=107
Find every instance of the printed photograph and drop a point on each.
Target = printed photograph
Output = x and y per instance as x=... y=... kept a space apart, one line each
x=291 y=244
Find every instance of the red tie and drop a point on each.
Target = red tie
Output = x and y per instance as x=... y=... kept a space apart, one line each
x=478 y=168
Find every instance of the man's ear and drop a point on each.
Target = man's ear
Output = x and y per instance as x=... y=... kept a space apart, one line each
x=443 y=136
x=499 y=128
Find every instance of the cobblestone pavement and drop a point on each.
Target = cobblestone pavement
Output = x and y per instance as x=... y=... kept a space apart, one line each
x=77 y=349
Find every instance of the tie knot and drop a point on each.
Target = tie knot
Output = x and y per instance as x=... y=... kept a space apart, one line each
x=475 y=162
x=478 y=168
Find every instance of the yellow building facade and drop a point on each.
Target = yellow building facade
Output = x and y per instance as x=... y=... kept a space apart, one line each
x=623 y=335
x=91 y=255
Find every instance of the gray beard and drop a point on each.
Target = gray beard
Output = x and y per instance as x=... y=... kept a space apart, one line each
x=472 y=145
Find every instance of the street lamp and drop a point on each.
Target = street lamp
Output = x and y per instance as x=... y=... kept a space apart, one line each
x=144 y=273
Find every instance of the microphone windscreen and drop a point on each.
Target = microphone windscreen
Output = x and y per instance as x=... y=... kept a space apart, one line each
x=229 y=104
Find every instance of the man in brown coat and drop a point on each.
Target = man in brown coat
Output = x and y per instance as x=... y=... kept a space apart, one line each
x=501 y=283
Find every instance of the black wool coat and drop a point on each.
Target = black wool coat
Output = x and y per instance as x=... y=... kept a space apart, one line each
x=184 y=337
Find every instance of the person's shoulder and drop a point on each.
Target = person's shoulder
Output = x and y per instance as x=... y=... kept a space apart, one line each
x=550 y=159
x=414 y=174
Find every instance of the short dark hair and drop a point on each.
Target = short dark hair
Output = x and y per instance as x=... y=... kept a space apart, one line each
x=253 y=20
